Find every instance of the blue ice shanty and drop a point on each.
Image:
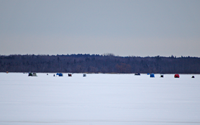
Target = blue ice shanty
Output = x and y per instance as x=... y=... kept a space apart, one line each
x=137 y=74
x=152 y=75
x=59 y=74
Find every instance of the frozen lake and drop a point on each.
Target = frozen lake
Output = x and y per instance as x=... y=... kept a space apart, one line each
x=99 y=99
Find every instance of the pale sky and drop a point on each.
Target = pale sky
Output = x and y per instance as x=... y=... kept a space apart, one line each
x=121 y=27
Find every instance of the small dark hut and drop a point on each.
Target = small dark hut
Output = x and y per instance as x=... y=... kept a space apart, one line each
x=176 y=76
x=59 y=74
x=137 y=74
x=152 y=75
x=32 y=74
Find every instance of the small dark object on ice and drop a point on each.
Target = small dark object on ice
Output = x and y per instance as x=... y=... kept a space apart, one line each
x=176 y=76
x=137 y=74
x=32 y=74
x=59 y=74
x=152 y=75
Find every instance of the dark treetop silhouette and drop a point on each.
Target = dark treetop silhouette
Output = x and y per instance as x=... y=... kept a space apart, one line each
x=86 y=63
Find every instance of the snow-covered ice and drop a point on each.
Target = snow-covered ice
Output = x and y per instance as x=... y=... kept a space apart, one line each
x=109 y=99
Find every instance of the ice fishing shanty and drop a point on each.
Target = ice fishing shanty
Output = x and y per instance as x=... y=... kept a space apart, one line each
x=59 y=74
x=176 y=76
x=152 y=75
x=137 y=74
x=32 y=74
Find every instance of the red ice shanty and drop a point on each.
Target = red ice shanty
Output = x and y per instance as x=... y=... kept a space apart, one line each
x=176 y=76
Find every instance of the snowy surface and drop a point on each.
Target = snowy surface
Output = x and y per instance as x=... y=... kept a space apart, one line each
x=99 y=99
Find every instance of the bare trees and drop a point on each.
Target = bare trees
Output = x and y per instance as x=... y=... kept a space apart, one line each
x=98 y=64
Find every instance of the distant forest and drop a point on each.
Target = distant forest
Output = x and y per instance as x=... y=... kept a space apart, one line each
x=86 y=63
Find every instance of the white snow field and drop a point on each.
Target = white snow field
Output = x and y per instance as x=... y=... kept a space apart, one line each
x=99 y=99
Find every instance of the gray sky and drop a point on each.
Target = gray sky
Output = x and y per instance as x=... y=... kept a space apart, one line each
x=121 y=27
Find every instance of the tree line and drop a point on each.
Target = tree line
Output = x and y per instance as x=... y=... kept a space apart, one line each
x=86 y=63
